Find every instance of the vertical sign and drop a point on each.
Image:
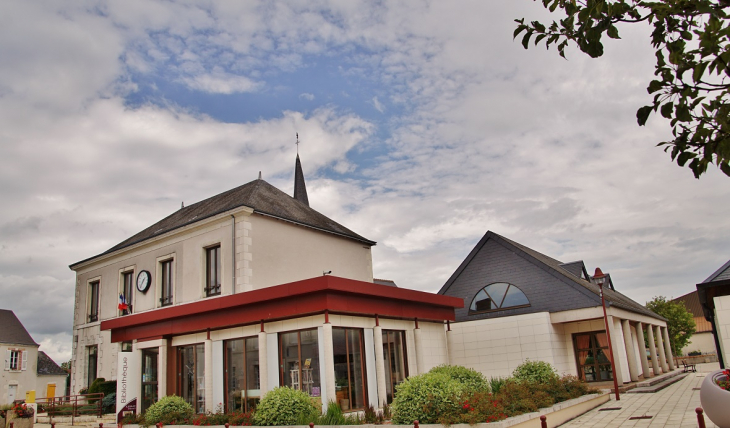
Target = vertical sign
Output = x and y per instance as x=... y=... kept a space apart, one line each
x=129 y=380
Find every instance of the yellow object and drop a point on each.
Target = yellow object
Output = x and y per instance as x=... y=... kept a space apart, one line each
x=30 y=396
x=51 y=390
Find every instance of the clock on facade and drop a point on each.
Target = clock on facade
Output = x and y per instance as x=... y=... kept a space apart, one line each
x=143 y=281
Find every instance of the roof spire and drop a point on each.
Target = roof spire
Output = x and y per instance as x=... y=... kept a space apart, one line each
x=300 y=188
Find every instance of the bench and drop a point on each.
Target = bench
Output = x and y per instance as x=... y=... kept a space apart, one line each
x=688 y=367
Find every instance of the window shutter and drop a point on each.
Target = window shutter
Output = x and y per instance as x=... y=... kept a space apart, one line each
x=25 y=359
x=7 y=360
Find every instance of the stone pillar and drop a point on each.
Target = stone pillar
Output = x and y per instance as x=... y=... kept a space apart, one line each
x=418 y=342
x=668 y=348
x=630 y=353
x=329 y=362
x=379 y=364
x=263 y=363
x=162 y=369
x=209 y=401
x=642 y=350
x=652 y=350
x=616 y=341
x=660 y=345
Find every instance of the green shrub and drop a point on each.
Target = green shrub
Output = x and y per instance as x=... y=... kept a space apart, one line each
x=534 y=372
x=472 y=380
x=284 y=406
x=495 y=383
x=694 y=353
x=109 y=403
x=425 y=397
x=523 y=397
x=167 y=407
x=133 y=419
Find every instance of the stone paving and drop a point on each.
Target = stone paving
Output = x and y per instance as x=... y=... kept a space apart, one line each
x=672 y=407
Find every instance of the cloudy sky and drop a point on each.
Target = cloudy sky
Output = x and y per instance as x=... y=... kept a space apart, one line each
x=422 y=126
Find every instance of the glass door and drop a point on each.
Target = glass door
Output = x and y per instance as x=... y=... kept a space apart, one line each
x=149 y=377
x=592 y=357
x=396 y=363
x=349 y=368
x=191 y=375
x=242 y=375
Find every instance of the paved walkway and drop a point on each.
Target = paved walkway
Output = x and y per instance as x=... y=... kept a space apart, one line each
x=672 y=407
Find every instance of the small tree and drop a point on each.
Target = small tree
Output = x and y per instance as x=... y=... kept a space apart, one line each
x=680 y=322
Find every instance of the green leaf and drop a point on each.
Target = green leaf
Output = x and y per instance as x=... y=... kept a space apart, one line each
x=526 y=39
x=684 y=157
x=724 y=167
x=699 y=70
x=667 y=110
x=683 y=114
x=655 y=85
x=643 y=114
x=612 y=32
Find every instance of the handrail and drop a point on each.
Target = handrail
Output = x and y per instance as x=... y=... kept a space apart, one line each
x=76 y=405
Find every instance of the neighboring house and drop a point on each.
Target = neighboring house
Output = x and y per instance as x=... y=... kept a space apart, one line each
x=521 y=304
x=714 y=295
x=702 y=340
x=26 y=368
x=250 y=289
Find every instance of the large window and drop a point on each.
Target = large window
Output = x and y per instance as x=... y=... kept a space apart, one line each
x=242 y=376
x=498 y=296
x=191 y=375
x=166 y=283
x=91 y=366
x=149 y=377
x=396 y=362
x=299 y=361
x=592 y=357
x=125 y=299
x=93 y=301
x=213 y=271
x=349 y=368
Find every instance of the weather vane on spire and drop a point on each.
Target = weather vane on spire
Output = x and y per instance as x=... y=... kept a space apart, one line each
x=297 y=143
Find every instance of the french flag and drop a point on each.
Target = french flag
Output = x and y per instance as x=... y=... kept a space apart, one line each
x=123 y=303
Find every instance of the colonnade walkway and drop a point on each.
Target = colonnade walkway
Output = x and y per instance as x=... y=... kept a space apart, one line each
x=672 y=407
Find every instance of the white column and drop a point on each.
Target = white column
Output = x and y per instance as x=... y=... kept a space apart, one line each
x=642 y=350
x=668 y=348
x=617 y=345
x=162 y=370
x=660 y=345
x=418 y=342
x=652 y=350
x=379 y=364
x=329 y=362
x=263 y=364
x=209 y=400
x=630 y=354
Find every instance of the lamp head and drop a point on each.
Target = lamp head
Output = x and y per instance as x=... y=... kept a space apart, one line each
x=599 y=276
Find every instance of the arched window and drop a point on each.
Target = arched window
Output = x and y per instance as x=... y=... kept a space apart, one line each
x=499 y=295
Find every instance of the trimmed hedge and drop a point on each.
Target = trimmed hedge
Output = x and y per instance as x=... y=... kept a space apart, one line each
x=284 y=406
x=168 y=406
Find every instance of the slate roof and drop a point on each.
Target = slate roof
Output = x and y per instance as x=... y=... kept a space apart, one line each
x=300 y=188
x=264 y=198
x=12 y=330
x=577 y=268
x=721 y=274
x=48 y=367
x=613 y=298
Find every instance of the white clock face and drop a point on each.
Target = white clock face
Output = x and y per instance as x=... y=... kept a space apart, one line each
x=143 y=281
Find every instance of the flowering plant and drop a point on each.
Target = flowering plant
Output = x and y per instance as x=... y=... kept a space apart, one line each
x=22 y=410
x=724 y=383
x=2 y=414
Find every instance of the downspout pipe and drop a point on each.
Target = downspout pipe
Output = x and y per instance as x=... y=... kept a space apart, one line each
x=233 y=254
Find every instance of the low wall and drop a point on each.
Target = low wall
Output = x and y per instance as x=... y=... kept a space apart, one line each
x=696 y=359
x=556 y=415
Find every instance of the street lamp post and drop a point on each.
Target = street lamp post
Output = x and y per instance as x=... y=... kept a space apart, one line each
x=600 y=278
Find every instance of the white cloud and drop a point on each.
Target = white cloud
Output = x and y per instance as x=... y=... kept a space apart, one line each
x=306 y=96
x=221 y=83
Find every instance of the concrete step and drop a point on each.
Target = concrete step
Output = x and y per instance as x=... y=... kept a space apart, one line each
x=654 y=387
x=659 y=379
x=88 y=420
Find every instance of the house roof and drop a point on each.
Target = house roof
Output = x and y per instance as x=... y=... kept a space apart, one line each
x=46 y=366
x=264 y=198
x=587 y=288
x=388 y=282
x=692 y=303
x=12 y=330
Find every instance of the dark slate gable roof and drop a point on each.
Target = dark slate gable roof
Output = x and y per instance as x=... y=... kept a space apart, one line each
x=553 y=266
x=46 y=366
x=12 y=330
x=264 y=198
x=720 y=274
x=577 y=268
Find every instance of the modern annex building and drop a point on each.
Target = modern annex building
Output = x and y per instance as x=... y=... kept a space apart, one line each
x=714 y=296
x=245 y=291
x=521 y=304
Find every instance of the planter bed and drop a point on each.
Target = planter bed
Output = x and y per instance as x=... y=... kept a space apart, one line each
x=556 y=415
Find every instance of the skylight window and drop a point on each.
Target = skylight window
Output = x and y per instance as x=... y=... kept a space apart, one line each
x=497 y=296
